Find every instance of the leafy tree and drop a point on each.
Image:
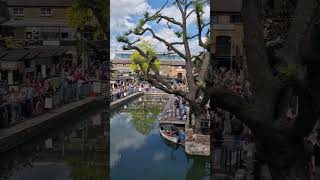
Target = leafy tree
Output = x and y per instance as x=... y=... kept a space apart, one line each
x=198 y=84
x=141 y=64
x=9 y=42
x=93 y=13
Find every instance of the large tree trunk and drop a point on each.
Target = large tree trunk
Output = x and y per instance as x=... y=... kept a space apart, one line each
x=287 y=161
x=200 y=116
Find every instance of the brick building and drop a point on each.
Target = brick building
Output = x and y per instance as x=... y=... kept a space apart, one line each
x=227 y=31
x=171 y=65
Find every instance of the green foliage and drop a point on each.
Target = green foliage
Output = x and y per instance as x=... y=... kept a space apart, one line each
x=292 y=71
x=198 y=6
x=78 y=18
x=84 y=13
x=140 y=63
x=82 y=170
x=9 y=42
x=123 y=39
x=178 y=34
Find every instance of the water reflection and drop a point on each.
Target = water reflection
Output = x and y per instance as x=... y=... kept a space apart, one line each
x=139 y=152
x=74 y=151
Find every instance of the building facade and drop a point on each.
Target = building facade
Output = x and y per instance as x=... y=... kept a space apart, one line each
x=227 y=31
x=40 y=22
x=172 y=65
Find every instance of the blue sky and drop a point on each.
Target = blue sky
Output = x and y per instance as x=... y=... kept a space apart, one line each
x=126 y=13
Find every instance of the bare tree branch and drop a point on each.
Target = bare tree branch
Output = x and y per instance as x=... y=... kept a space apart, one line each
x=179 y=6
x=177 y=43
x=169 y=91
x=200 y=29
x=204 y=67
x=163 y=41
x=190 y=13
x=191 y=37
x=170 y=19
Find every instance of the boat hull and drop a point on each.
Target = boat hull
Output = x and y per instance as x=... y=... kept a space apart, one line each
x=173 y=139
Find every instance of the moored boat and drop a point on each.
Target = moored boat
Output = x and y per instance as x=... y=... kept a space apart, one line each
x=169 y=132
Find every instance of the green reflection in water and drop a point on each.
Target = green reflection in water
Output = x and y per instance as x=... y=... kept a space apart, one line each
x=144 y=117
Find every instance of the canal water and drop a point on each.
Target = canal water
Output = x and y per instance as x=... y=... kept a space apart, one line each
x=138 y=151
x=76 y=149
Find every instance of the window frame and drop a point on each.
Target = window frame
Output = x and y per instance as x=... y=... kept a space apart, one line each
x=18 y=11
x=44 y=12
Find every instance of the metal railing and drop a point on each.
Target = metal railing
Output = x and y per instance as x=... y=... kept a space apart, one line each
x=121 y=94
x=15 y=112
x=230 y=159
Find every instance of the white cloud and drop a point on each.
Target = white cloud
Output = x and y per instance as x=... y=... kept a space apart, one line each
x=158 y=156
x=123 y=137
x=124 y=13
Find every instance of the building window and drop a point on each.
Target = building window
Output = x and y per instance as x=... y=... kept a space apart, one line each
x=18 y=11
x=235 y=18
x=65 y=35
x=46 y=12
x=223 y=46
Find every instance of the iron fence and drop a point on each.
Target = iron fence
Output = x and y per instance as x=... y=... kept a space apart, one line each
x=121 y=94
x=17 y=111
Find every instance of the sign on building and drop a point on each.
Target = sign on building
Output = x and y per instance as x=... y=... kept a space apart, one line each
x=9 y=66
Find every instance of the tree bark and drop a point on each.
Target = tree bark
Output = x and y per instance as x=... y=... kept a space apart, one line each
x=288 y=162
x=200 y=115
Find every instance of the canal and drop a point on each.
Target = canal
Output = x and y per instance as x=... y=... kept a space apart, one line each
x=76 y=149
x=138 y=151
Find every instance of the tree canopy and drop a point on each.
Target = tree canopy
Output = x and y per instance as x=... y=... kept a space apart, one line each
x=141 y=64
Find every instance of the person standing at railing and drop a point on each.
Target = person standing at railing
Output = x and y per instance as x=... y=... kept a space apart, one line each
x=11 y=106
x=20 y=98
x=29 y=99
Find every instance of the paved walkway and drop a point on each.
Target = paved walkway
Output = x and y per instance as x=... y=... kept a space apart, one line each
x=170 y=113
x=9 y=136
x=28 y=123
x=119 y=102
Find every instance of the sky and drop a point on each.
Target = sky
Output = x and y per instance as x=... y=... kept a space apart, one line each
x=126 y=13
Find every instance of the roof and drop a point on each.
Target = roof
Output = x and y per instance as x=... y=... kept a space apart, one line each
x=40 y=3
x=19 y=54
x=226 y=5
x=127 y=61
x=161 y=56
x=14 y=55
x=33 y=22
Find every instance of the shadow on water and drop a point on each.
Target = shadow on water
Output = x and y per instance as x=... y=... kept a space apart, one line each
x=74 y=150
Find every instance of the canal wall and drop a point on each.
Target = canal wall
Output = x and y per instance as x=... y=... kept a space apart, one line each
x=14 y=136
x=125 y=100
x=22 y=132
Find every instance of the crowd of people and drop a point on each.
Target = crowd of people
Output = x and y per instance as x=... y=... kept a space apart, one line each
x=28 y=99
x=233 y=79
x=227 y=125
